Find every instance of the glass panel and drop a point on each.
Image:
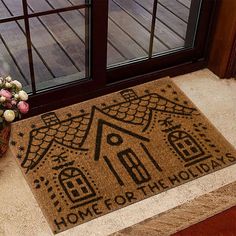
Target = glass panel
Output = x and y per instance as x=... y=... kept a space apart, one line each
x=124 y=30
x=59 y=44
x=10 y=8
x=172 y=23
x=135 y=33
x=13 y=53
x=45 y=5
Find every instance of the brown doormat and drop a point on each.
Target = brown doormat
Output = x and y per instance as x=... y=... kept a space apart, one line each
x=86 y=160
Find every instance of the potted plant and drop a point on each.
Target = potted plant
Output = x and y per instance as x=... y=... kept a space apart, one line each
x=12 y=105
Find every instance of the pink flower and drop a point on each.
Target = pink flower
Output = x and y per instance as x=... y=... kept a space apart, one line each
x=23 y=107
x=13 y=102
x=5 y=93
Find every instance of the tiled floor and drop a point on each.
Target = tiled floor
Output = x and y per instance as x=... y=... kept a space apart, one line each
x=20 y=214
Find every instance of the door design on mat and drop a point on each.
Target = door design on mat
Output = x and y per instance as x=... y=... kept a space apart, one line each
x=128 y=153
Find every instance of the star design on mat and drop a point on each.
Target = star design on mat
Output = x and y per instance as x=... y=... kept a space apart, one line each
x=166 y=122
x=21 y=148
x=33 y=126
x=82 y=110
x=163 y=90
x=69 y=115
x=21 y=134
x=174 y=92
x=176 y=99
x=59 y=158
x=13 y=143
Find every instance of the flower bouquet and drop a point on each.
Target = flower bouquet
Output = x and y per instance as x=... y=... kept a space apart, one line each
x=12 y=105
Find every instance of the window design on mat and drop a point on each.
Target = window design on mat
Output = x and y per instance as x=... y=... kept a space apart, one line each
x=76 y=185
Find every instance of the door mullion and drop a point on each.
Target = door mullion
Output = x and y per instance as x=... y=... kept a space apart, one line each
x=191 y=29
x=154 y=15
x=99 y=24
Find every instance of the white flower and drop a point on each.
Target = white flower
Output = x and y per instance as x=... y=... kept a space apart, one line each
x=8 y=85
x=23 y=95
x=16 y=96
x=9 y=115
x=8 y=79
x=2 y=99
x=17 y=84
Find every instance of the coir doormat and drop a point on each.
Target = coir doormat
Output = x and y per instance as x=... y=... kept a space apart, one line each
x=89 y=159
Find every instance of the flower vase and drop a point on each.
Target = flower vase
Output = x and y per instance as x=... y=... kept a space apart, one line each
x=5 y=131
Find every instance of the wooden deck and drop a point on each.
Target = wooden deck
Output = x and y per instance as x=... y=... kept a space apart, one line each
x=58 y=39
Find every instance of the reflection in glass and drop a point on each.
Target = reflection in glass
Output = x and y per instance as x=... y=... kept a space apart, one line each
x=48 y=49
x=140 y=29
x=10 y=8
x=13 y=53
x=59 y=42
x=45 y=5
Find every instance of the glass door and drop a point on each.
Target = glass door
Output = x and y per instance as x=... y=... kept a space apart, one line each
x=65 y=51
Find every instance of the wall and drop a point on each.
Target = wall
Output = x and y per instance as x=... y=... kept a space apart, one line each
x=223 y=48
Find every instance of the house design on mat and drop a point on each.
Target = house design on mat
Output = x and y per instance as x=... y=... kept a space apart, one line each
x=127 y=152
x=74 y=131
x=184 y=144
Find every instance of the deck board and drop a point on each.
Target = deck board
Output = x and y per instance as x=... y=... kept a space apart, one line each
x=15 y=40
x=15 y=6
x=162 y=32
x=58 y=53
x=14 y=35
x=119 y=39
x=114 y=55
x=132 y=28
x=70 y=45
x=186 y=3
x=176 y=8
x=15 y=71
x=166 y=17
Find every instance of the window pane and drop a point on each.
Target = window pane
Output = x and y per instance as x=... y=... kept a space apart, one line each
x=10 y=8
x=124 y=31
x=135 y=33
x=45 y=5
x=13 y=53
x=172 y=23
x=59 y=43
